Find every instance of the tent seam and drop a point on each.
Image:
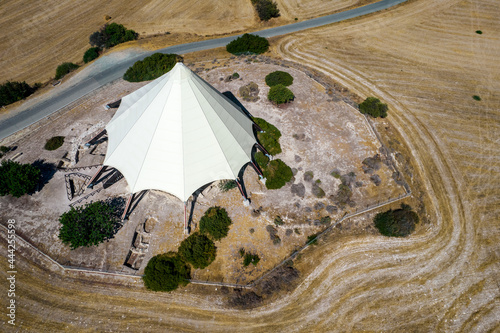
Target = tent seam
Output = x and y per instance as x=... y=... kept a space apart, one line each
x=212 y=131
x=253 y=137
x=134 y=122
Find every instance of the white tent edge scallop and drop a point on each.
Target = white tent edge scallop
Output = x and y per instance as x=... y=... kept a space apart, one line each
x=177 y=134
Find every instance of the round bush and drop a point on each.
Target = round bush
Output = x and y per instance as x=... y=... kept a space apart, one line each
x=373 y=107
x=248 y=44
x=165 y=272
x=54 y=143
x=91 y=54
x=215 y=222
x=11 y=92
x=151 y=67
x=198 y=250
x=88 y=225
x=18 y=179
x=280 y=94
x=277 y=174
x=279 y=77
x=396 y=223
x=270 y=138
x=64 y=69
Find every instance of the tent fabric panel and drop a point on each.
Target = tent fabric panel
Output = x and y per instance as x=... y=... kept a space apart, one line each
x=230 y=108
x=177 y=134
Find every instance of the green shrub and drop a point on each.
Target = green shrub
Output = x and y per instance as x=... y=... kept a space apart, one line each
x=248 y=44
x=235 y=76
x=198 y=250
x=280 y=94
x=4 y=149
x=64 y=69
x=227 y=184
x=277 y=174
x=373 y=107
x=278 y=221
x=266 y=9
x=396 y=223
x=151 y=67
x=250 y=92
x=11 y=92
x=261 y=159
x=18 y=179
x=270 y=138
x=312 y=239
x=479 y=32
x=88 y=225
x=250 y=259
x=215 y=222
x=91 y=54
x=279 y=77
x=165 y=272
x=54 y=143
x=476 y=97
x=112 y=34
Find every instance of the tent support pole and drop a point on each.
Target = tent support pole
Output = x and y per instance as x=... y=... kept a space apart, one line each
x=96 y=176
x=186 y=231
x=264 y=150
x=257 y=169
x=246 y=201
x=127 y=206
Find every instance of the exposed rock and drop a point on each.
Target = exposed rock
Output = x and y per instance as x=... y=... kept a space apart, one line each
x=331 y=209
x=298 y=189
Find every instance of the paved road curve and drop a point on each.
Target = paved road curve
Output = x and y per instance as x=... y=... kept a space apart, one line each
x=70 y=94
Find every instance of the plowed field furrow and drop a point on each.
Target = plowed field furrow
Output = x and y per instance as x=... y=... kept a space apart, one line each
x=444 y=278
x=446 y=130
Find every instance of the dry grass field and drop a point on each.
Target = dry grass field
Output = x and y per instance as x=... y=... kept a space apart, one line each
x=37 y=36
x=425 y=60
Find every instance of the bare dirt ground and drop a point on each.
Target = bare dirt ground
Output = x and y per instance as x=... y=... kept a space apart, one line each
x=318 y=135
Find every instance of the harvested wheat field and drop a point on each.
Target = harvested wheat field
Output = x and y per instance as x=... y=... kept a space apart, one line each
x=302 y=10
x=40 y=35
x=426 y=61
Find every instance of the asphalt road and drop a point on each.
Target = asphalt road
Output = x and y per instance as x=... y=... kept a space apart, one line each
x=70 y=94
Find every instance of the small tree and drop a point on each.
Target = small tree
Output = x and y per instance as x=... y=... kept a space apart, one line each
x=248 y=44
x=110 y=35
x=165 y=272
x=11 y=92
x=54 y=143
x=215 y=222
x=266 y=9
x=64 y=69
x=270 y=138
x=118 y=34
x=373 y=107
x=279 y=77
x=198 y=250
x=88 y=225
x=91 y=54
x=280 y=94
x=396 y=223
x=277 y=174
x=18 y=179
x=151 y=67
x=250 y=259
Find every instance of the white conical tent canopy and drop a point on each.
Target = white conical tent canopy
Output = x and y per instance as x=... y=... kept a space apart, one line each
x=177 y=134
